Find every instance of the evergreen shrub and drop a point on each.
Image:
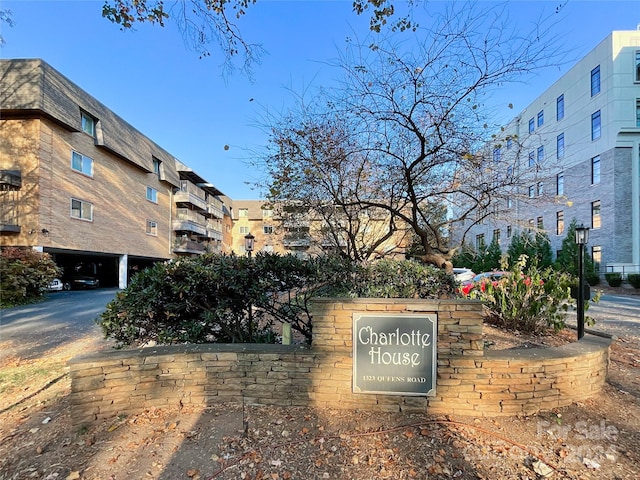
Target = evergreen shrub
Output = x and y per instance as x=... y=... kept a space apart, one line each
x=614 y=279
x=24 y=275
x=634 y=279
x=207 y=299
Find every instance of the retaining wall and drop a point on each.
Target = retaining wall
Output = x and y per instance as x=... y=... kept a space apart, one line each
x=470 y=380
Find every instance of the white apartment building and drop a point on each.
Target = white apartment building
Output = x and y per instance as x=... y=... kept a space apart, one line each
x=579 y=145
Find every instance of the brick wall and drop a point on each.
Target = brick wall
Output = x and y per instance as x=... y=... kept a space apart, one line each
x=470 y=381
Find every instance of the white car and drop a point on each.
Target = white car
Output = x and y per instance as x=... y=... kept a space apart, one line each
x=463 y=274
x=56 y=285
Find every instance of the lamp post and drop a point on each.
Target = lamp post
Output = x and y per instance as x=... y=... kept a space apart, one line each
x=248 y=247
x=582 y=238
x=248 y=243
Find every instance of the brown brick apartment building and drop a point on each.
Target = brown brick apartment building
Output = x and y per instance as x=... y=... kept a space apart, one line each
x=80 y=183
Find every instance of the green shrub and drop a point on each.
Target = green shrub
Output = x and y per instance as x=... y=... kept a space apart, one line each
x=613 y=279
x=208 y=298
x=24 y=275
x=592 y=278
x=526 y=300
x=634 y=279
x=387 y=278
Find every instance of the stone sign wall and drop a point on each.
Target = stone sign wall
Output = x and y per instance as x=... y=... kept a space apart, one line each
x=469 y=381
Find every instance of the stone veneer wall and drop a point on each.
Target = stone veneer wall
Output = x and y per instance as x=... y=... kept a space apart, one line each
x=470 y=380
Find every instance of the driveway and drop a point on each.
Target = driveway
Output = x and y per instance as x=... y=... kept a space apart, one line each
x=30 y=331
x=616 y=315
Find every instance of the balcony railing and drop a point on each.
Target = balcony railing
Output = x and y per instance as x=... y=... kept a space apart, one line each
x=188 y=197
x=188 y=187
x=189 y=221
x=293 y=241
x=215 y=210
x=185 y=245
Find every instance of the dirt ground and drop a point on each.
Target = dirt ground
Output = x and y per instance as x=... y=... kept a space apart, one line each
x=597 y=439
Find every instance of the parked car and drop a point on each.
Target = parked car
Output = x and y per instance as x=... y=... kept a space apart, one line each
x=463 y=274
x=56 y=285
x=78 y=282
x=480 y=279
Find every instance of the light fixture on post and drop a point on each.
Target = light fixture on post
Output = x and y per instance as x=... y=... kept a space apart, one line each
x=248 y=243
x=582 y=238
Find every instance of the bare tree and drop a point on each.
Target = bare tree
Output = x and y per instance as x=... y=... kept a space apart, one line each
x=207 y=23
x=406 y=131
x=6 y=16
x=316 y=178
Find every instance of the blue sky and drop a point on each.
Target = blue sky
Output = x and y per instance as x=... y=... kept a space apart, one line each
x=153 y=81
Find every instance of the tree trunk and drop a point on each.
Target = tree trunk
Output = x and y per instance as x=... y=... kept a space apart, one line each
x=438 y=260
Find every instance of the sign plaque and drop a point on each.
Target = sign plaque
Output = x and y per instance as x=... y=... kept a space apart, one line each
x=394 y=354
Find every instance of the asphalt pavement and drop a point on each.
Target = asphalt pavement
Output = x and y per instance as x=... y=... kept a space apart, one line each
x=616 y=315
x=30 y=331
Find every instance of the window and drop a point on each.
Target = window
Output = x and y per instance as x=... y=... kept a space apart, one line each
x=243 y=230
x=596 y=255
x=88 y=124
x=496 y=235
x=539 y=188
x=637 y=112
x=152 y=195
x=156 y=166
x=509 y=202
x=509 y=231
x=81 y=210
x=540 y=118
x=532 y=126
x=532 y=191
x=532 y=159
x=560 y=107
x=560 y=184
x=509 y=143
x=497 y=153
x=480 y=241
x=82 y=164
x=267 y=229
x=268 y=248
x=267 y=213
x=540 y=154
x=637 y=65
x=560 y=146
x=595 y=214
x=540 y=223
x=531 y=224
x=595 y=170
x=559 y=222
x=595 y=125
x=152 y=228
x=243 y=212
x=595 y=81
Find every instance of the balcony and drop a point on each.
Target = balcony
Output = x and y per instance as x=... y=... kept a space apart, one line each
x=188 y=246
x=190 y=198
x=290 y=241
x=214 y=207
x=189 y=221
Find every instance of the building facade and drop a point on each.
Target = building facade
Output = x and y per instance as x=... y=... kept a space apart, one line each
x=580 y=157
x=80 y=183
x=305 y=232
